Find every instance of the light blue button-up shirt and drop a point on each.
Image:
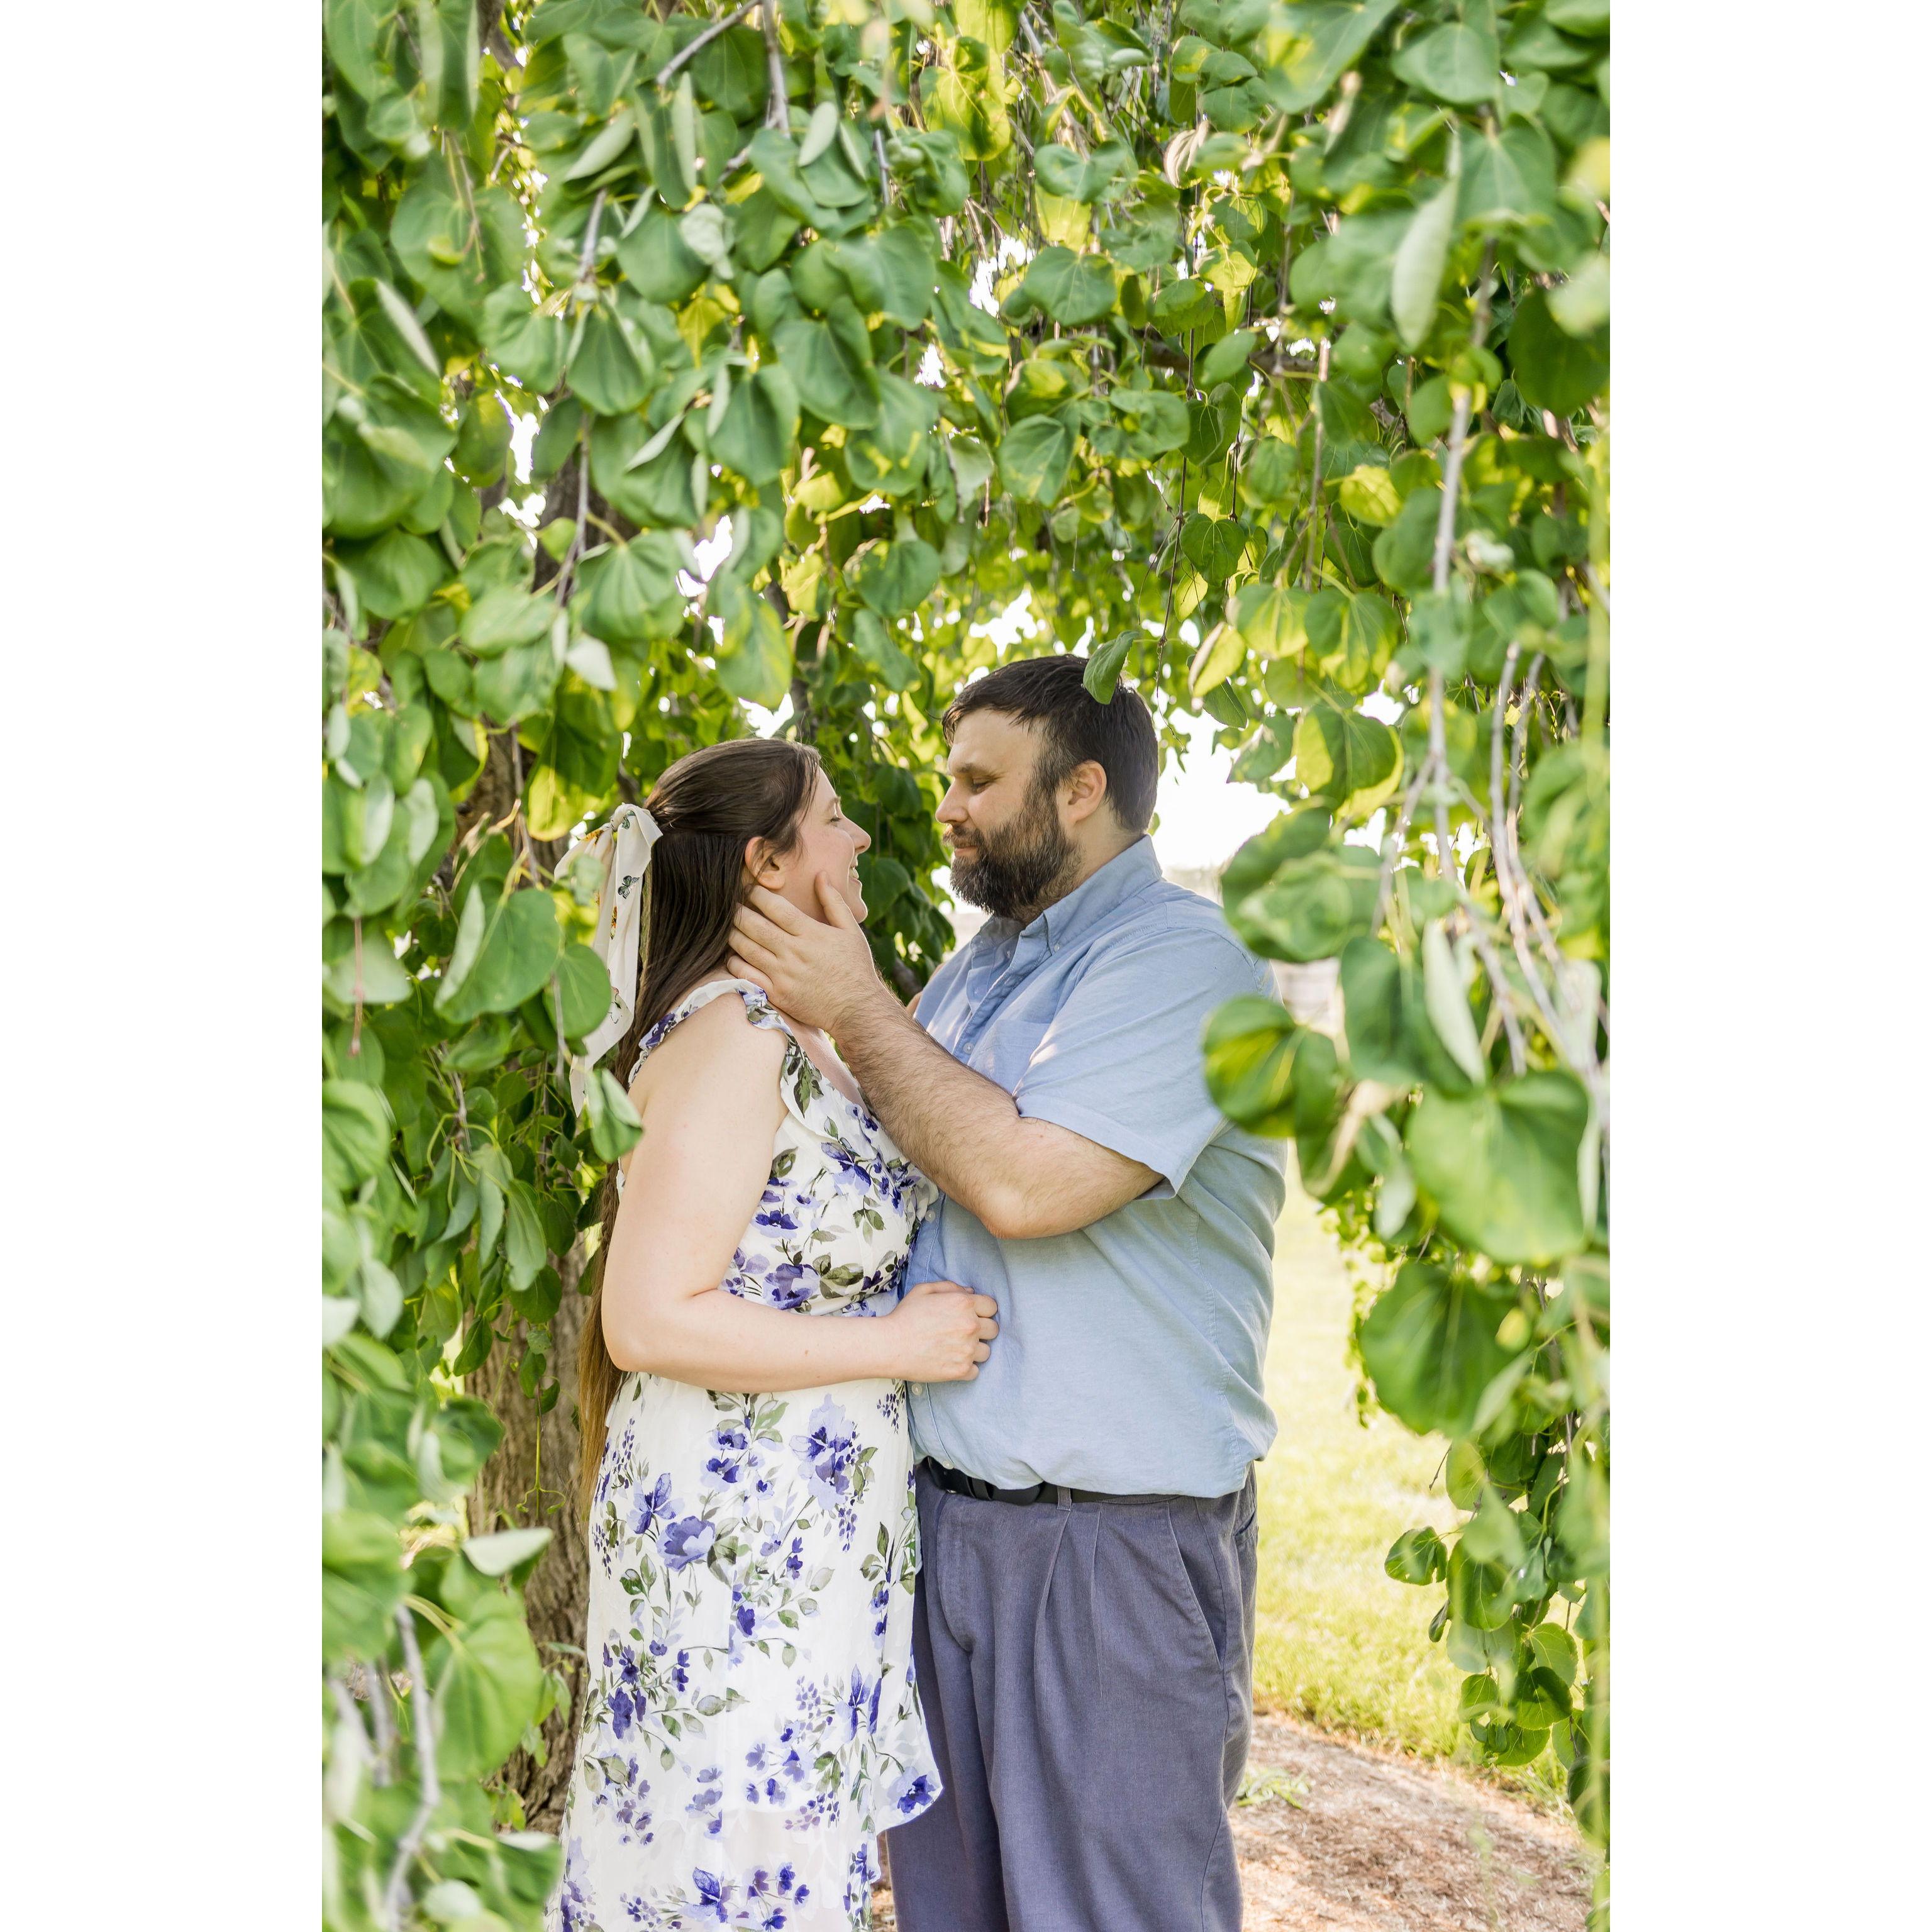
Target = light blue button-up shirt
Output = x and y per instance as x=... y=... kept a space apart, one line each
x=1129 y=1356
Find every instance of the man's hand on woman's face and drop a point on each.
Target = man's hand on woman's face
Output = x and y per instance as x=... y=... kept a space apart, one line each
x=818 y=970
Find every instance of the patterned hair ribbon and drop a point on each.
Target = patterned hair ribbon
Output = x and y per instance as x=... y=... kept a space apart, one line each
x=622 y=849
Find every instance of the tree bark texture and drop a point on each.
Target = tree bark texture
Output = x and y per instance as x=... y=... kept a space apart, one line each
x=531 y=1483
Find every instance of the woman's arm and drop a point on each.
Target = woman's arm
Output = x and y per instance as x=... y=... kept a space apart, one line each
x=710 y=1106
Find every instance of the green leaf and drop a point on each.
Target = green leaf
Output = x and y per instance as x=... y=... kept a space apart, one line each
x=1343 y=756
x=1214 y=545
x=1418 y=1556
x=1578 y=16
x=908 y=273
x=611 y=371
x=627 y=585
x=355 y=1133
x=890 y=456
x=583 y=990
x=1369 y=495
x=1314 y=906
x=1430 y=1346
x=503 y=1550
x=1308 y=48
x=1501 y=1165
x=759 y=434
x=1350 y=637
x=1104 y=665
x=1272 y=618
x=487 y=1690
x=362 y=1583
x=1509 y=180
x=1294 y=834
x=1220 y=656
x=1156 y=420
x=1034 y=459
x=657 y=263
x=754 y=661
x=1227 y=362
x=1404 y=553
x=615 y=1128
x=1269 y=474
x=458 y=245
x=1415 y=277
x=1554 y=370
x=1447 y=1004
x=501 y=619
x=876 y=645
x=1379 y=1004
x=517 y=952
x=604 y=146
x=832 y=381
x=523 y=1250
x=522 y=341
x=993 y=22
x=1073 y=290
x=1453 y=62
x=1250 y=1044
x=398 y=574
x=895 y=578
x=1440 y=625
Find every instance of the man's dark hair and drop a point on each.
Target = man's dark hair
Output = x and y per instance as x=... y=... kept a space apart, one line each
x=1075 y=726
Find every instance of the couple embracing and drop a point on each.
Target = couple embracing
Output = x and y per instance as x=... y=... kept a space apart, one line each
x=970 y=1560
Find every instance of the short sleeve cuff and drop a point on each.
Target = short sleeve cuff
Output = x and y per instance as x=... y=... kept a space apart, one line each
x=1172 y=1163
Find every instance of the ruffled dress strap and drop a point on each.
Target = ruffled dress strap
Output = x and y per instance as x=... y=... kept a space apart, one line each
x=801 y=1085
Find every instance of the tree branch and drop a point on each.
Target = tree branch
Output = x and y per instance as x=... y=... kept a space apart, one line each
x=1439 y=745
x=778 y=105
x=410 y=1842
x=692 y=48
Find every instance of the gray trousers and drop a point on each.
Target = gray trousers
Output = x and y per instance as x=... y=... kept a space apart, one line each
x=1086 y=1670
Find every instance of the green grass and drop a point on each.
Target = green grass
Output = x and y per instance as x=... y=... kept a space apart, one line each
x=1340 y=1643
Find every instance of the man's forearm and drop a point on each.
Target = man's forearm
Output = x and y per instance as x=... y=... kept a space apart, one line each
x=958 y=1128
x=1024 y=1178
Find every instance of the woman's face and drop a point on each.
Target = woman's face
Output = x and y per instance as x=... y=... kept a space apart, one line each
x=828 y=842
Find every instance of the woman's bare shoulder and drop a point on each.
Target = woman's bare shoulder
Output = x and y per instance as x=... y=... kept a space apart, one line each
x=718 y=1046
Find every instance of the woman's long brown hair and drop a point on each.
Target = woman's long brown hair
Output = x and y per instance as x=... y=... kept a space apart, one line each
x=708 y=806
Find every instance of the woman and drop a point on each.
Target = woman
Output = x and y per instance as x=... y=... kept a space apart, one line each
x=751 y=1720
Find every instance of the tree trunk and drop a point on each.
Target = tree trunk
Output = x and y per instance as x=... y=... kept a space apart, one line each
x=531 y=1482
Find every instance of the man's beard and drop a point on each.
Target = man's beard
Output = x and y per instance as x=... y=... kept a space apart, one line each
x=1022 y=867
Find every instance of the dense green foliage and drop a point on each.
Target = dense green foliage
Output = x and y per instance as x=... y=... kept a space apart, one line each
x=1260 y=347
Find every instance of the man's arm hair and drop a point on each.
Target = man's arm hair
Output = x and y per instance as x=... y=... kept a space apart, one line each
x=1023 y=1178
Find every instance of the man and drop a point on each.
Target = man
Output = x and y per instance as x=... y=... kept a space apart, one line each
x=1085 y=1614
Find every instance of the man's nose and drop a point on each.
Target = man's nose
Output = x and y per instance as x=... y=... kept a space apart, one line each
x=952 y=807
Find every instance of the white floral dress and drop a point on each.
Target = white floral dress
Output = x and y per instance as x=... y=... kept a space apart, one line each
x=751 y=1720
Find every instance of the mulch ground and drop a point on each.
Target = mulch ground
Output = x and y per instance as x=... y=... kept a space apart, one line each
x=1380 y=1843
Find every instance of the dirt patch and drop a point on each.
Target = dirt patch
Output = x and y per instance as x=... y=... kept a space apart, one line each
x=1383 y=1843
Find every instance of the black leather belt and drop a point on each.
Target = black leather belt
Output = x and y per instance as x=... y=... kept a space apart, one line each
x=960 y=1484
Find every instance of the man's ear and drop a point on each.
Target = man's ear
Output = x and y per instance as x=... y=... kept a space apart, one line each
x=1084 y=788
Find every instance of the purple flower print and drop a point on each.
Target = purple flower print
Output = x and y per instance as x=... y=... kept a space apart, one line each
x=828 y=1451
x=732 y=1453
x=622 y=1710
x=784 y=1284
x=859 y=1706
x=911 y=1793
x=714 y=1895
x=687 y=1541
x=650 y=1507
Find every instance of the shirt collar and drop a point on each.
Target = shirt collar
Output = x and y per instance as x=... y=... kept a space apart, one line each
x=1091 y=901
